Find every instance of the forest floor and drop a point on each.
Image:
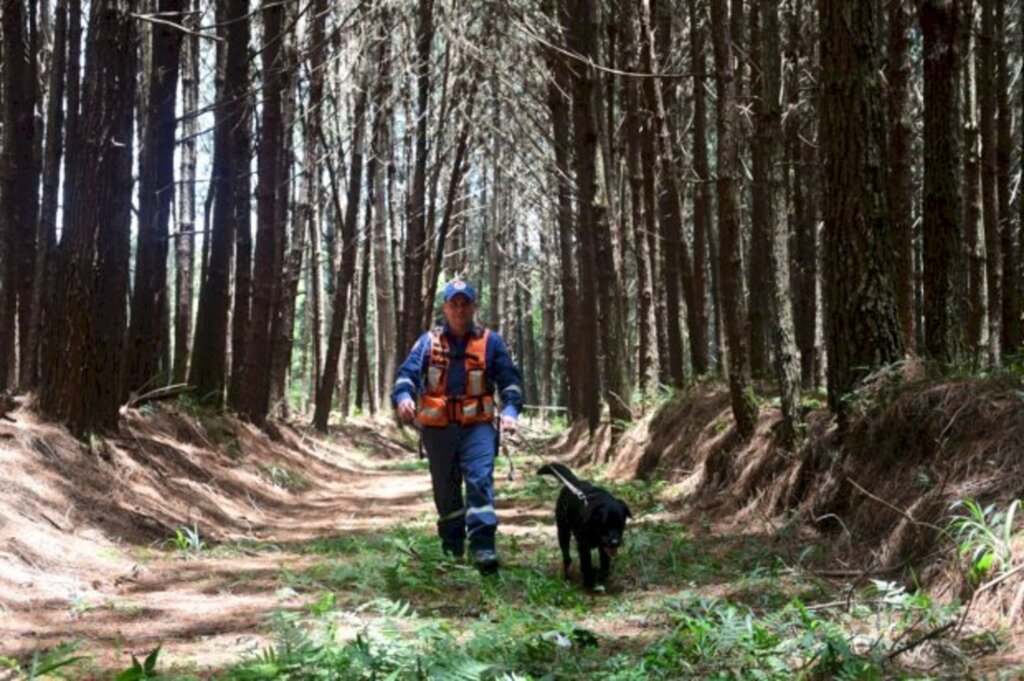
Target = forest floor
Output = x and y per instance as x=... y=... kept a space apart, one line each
x=293 y=556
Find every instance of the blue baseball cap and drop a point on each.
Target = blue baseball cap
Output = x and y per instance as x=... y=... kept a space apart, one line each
x=459 y=287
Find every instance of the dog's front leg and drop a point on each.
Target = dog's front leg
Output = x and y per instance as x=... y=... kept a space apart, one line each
x=606 y=566
x=586 y=566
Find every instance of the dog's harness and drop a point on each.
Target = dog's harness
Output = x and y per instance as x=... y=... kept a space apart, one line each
x=580 y=494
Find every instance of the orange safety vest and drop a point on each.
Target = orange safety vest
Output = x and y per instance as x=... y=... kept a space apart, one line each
x=437 y=407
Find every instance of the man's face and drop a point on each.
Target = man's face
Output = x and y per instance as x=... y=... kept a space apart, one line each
x=459 y=311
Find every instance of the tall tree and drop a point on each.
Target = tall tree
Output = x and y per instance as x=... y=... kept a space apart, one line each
x=209 y=348
x=1007 y=226
x=900 y=172
x=238 y=203
x=19 y=188
x=945 y=274
x=148 y=332
x=561 y=141
x=646 y=341
x=862 y=329
x=977 y=288
x=255 y=394
x=415 y=250
x=803 y=159
x=593 y=225
x=702 y=187
x=90 y=310
x=307 y=197
x=380 y=161
x=730 y=248
x=347 y=265
x=291 y=251
x=184 y=259
x=46 y=235
x=783 y=342
x=759 y=274
x=986 y=73
x=675 y=259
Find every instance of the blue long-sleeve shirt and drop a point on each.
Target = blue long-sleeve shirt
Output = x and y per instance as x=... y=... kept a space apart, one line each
x=501 y=371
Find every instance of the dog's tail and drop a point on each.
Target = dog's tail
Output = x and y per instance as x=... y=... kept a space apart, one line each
x=561 y=472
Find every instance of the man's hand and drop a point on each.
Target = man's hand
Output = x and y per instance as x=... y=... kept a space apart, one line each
x=509 y=425
x=407 y=410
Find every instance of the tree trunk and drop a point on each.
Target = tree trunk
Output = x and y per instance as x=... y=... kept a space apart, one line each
x=647 y=368
x=46 y=235
x=148 y=339
x=209 y=349
x=1007 y=226
x=760 y=278
x=675 y=259
x=416 y=239
x=349 y=253
x=283 y=322
x=558 y=85
x=787 y=366
x=595 y=236
x=185 y=243
x=945 y=274
x=730 y=248
x=90 y=309
x=240 y=208
x=362 y=321
x=255 y=392
x=900 y=179
x=377 y=178
x=19 y=185
x=702 y=189
x=977 y=289
x=862 y=328
x=989 y=188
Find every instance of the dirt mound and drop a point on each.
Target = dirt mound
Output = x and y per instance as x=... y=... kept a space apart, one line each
x=73 y=514
x=912 y=448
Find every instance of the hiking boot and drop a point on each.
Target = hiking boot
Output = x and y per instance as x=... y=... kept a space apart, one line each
x=486 y=561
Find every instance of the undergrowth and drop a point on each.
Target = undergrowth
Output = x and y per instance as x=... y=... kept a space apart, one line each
x=682 y=604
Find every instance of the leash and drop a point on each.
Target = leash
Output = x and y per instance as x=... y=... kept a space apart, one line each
x=568 y=485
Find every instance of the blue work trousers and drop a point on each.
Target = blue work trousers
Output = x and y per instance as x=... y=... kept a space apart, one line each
x=460 y=454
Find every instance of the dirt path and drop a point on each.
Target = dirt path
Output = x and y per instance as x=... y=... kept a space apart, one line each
x=86 y=532
x=212 y=606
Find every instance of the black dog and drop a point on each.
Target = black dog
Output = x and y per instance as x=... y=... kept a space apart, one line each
x=592 y=515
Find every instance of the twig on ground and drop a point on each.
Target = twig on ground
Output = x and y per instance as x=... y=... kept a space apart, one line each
x=897 y=509
x=934 y=633
x=157 y=394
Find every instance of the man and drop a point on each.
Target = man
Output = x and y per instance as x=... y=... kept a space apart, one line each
x=454 y=369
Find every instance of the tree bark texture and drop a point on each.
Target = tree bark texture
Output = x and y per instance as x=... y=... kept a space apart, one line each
x=900 y=176
x=862 y=328
x=730 y=248
x=185 y=242
x=81 y=377
x=19 y=187
x=986 y=65
x=945 y=273
x=787 y=367
x=148 y=331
